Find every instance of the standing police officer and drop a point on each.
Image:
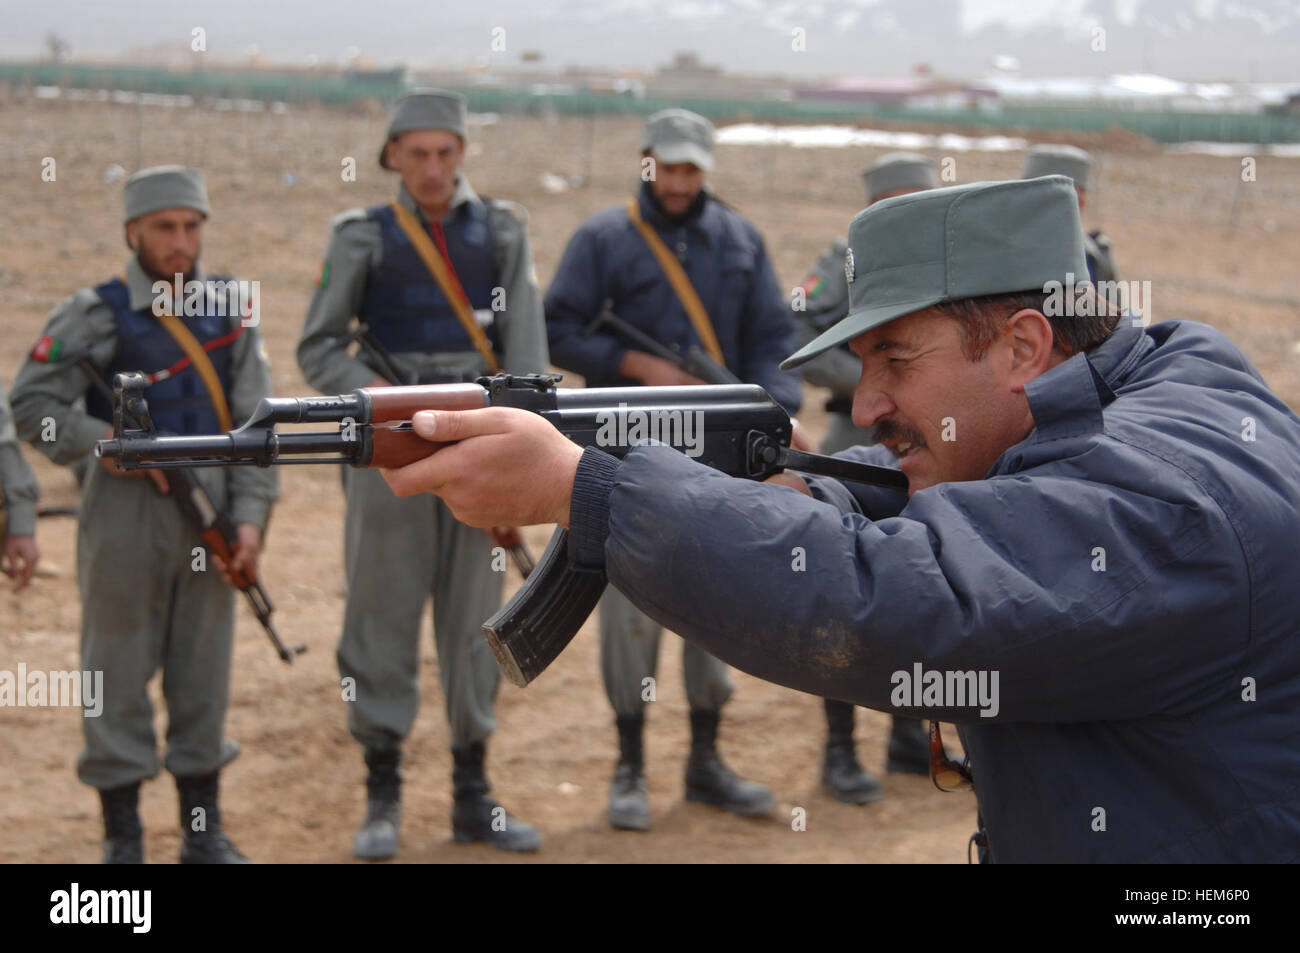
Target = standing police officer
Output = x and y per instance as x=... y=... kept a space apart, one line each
x=1075 y=164
x=825 y=301
x=444 y=280
x=148 y=599
x=685 y=269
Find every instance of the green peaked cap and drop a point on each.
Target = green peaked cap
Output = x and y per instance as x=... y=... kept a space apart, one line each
x=914 y=251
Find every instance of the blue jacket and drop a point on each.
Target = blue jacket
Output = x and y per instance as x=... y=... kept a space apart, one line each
x=1131 y=570
x=607 y=263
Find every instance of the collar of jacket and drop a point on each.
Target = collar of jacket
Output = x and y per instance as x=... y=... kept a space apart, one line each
x=140 y=285
x=696 y=218
x=1068 y=400
x=464 y=193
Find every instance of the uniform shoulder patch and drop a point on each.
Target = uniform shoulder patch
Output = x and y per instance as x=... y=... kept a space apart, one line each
x=351 y=215
x=513 y=209
x=85 y=307
x=85 y=299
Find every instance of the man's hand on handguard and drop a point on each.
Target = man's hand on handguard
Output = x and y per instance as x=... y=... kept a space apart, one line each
x=501 y=466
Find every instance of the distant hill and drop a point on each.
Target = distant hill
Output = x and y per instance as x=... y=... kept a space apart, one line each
x=1230 y=40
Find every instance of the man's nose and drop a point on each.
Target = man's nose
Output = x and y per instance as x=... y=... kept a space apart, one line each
x=870 y=405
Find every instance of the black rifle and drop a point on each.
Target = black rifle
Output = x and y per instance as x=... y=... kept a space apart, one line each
x=214 y=528
x=742 y=431
x=694 y=362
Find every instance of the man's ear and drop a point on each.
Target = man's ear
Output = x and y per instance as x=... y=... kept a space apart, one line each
x=132 y=235
x=1031 y=340
x=390 y=150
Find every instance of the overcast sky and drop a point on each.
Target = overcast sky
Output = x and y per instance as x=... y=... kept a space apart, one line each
x=1188 y=39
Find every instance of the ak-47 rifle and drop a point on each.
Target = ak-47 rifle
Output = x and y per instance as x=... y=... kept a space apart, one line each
x=737 y=429
x=214 y=528
x=695 y=361
x=507 y=537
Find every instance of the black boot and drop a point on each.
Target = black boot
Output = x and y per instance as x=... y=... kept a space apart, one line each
x=378 y=836
x=629 y=805
x=909 y=747
x=842 y=775
x=123 y=835
x=202 y=839
x=709 y=781
x=477 y=817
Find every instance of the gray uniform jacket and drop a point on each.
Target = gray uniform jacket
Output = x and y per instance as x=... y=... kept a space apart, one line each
x=1101 y=258
x=826 y=300
x=17 y=482
x=356 y=248
x=83 y=324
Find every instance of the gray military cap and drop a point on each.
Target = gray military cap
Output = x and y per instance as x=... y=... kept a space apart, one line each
x=679 y=135
x=165 y=186
x=911 y=252
x=899 y=170
x=425 y=109
x=1068 y=161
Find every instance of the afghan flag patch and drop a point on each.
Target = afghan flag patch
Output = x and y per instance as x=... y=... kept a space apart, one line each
x=813 y=284
x=47 y=350
x=324 y=274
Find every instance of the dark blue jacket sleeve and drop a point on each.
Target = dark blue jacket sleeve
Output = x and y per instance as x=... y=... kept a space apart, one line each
x=575 y=298
x=768 y=335
x=998 y=575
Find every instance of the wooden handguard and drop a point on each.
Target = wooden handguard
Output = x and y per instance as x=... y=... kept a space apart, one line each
x=398 y=445
x=389 y=404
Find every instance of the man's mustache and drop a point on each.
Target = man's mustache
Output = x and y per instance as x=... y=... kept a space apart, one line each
x=892 y=430
x=165 y=267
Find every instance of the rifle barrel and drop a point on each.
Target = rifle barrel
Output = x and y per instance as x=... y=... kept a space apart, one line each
x=258 y=447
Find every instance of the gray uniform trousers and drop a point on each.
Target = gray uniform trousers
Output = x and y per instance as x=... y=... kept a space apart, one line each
x=629 y=653
x=397 y=552
x=144 y=606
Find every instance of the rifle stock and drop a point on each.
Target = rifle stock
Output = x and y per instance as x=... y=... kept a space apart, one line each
x=219 y=538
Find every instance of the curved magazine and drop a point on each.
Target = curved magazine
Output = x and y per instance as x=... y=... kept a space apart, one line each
x=536 y=624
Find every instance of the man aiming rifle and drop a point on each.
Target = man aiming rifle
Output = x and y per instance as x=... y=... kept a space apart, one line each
x=1101 y=514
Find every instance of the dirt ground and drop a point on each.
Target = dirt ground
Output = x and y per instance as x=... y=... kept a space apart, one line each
x=1213 y=247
